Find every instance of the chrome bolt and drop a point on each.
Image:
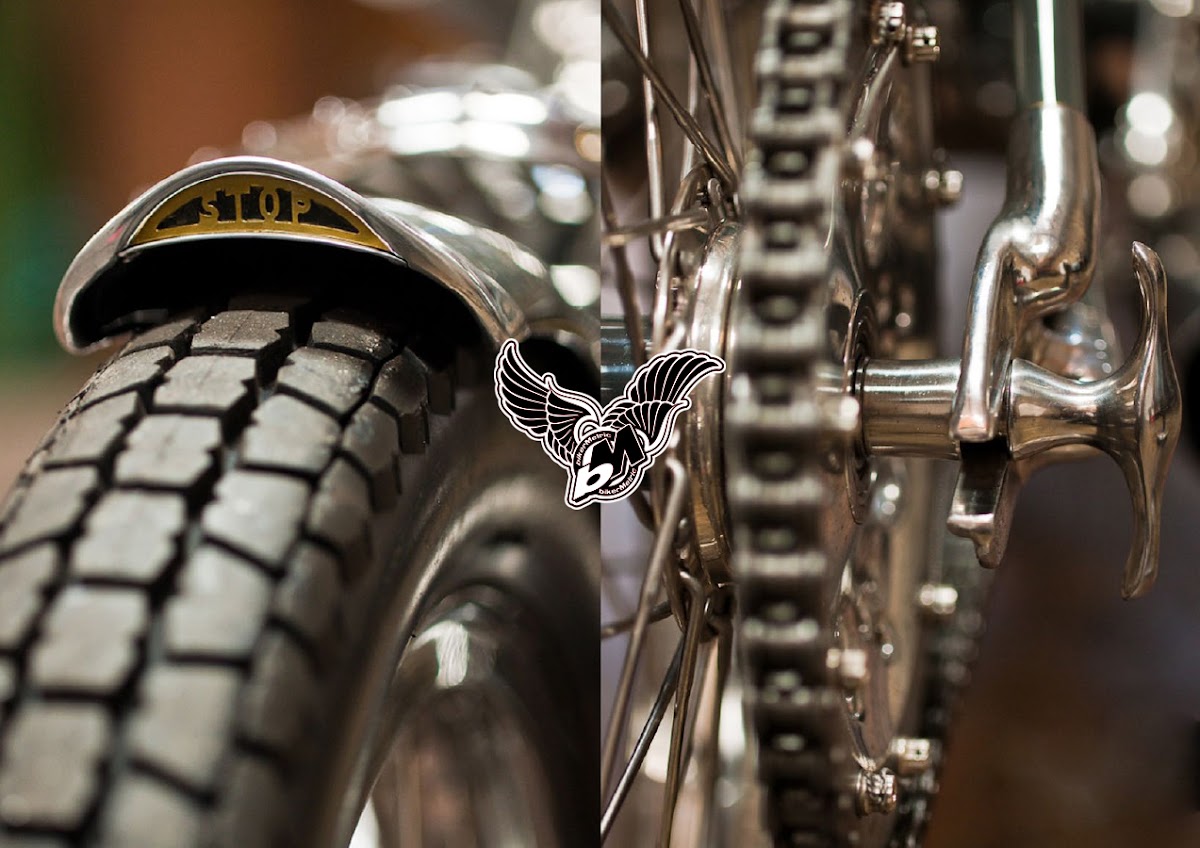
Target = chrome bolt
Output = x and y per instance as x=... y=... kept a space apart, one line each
x=850 y=665
x=889 y=23
x=876 y=792
x=921 y=44
x=937 y=600
x=910 y=756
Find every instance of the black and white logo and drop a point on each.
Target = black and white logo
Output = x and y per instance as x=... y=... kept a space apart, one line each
x=605 y=451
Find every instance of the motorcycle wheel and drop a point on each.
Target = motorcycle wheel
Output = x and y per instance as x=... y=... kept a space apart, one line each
x=275 y=555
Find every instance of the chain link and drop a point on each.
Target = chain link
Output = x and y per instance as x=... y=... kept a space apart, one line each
x=775 y=489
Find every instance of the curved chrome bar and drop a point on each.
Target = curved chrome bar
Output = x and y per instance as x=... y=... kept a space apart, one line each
x=1134 y=415
x=1038 y=256
x=1040 y=253
x=506 y=287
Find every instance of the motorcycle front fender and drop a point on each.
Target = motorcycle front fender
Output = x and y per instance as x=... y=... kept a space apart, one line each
x=505 y=287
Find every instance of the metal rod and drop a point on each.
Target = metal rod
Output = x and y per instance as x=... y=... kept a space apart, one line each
x=683 y=698
x=668 y=223
x=714 y=16
x=696 y=40
x=1047 y=56
x=708 y=760
x=685 y=121
x=664 y=541
x=654 y=160
x=616 y=628
x=625 y=286
x=666 y=691
x=906 y=407
x=617 y=359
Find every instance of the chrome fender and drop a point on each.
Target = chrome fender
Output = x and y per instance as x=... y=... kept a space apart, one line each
x=506 y=288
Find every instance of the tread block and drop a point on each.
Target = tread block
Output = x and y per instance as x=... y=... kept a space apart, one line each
x=402 y=390
x=258 y=333
x=22 y=582
x=145 y=811
x=278 y=703
x=52 y=506
x=351 y=338
x=49 y=777
x=95 y=434
x=215 y=385
x=129 y=372
x=333 y=381
x=340 y=515
x=307 y=597
x=372 y=440
x=88 y=644
x=288 y=433
x=220 y=608
x=237 y=517
x=9 y=506
x=237 y=823
x=171 y=334
x=181 y=726
x=130 y=536
x=174 y=451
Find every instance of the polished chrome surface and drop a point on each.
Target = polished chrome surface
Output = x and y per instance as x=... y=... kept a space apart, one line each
x=1133 y=414
x=507 y=288
x=906 y=407
x=878 y=792
x=1047 y=37
x=440 y=786
x=701 y=436
x=1037 y=257
x=672 y=512
x=617 y=362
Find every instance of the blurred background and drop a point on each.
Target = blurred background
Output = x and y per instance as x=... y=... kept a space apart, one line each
x=99 y=100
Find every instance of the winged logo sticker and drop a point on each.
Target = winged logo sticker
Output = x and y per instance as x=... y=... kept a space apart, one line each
x=605 y=451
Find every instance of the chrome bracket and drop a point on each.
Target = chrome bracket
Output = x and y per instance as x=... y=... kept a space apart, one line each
x=1134 y=415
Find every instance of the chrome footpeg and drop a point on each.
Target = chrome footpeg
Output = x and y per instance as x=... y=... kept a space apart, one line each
x=1134 y=415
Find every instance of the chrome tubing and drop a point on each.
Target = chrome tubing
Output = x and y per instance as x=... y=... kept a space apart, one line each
x=1047 y=53
x=1039 y=255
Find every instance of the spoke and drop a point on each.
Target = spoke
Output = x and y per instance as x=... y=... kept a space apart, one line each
x=688 y=186
x=710 y=731
x=616 y=628
x=631 y=312
x=665 y=692
x=709 y=83
x=654 y=161
x=679 y=726
x=723 y=67
x=663 y=549
x=685 y=121
x=670 y=223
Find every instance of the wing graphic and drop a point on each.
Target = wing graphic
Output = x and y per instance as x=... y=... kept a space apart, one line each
x=540 y=408
x=658 y=393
